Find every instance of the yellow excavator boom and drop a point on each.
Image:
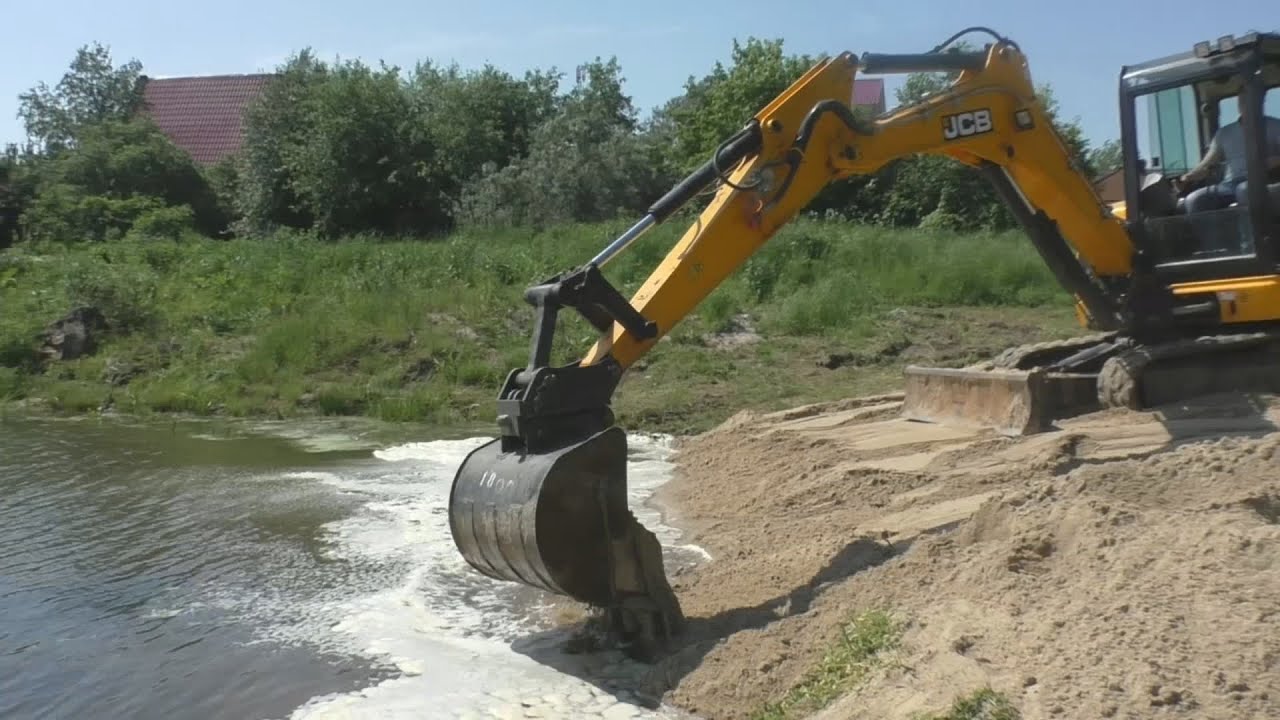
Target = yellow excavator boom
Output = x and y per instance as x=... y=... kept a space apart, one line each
x=809 y=137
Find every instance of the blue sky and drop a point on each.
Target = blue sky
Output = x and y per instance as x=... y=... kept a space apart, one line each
x=1078 y=47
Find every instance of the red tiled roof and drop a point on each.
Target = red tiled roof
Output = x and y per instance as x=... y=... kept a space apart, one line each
x=868 y=92
x=202 y=115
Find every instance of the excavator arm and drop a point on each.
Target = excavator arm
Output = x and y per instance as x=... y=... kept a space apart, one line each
x=545 y=504
x=990 y=118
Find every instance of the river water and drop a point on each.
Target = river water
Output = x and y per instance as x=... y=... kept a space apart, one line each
x=221 y=570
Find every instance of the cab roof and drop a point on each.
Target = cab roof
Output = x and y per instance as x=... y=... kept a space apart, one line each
x=1204 y=61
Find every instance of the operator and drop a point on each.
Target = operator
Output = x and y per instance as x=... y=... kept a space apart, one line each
x=1228 y=147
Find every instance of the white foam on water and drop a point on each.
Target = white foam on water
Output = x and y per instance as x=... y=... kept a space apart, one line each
x=447 y=628
x=648 y=468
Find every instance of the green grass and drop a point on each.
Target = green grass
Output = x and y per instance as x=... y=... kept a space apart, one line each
x=860 y=648
x=982 y=704
x=411 y=329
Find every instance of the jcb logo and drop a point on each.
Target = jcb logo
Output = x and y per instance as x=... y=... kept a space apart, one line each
x=966 y=124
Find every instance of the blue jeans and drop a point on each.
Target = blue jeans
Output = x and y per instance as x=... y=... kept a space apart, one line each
x=1234 y=237
x=1213 y=197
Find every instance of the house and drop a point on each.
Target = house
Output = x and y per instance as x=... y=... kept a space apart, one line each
x=202 y=115
x=869 y=93
x=1110 y=187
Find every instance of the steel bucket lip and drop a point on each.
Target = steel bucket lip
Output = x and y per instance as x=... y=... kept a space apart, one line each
x=496 y=542
x=453 y=487
x=456 y=534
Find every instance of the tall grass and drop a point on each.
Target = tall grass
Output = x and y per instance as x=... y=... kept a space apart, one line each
x=410 y=328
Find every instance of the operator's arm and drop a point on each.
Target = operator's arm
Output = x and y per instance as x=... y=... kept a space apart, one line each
x=1211 y=159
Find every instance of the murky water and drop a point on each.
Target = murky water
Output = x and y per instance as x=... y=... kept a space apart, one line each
x=214 y=571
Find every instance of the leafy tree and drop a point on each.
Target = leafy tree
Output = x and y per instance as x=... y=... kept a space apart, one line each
x=91 y=92
x=346 y=148
x=717 y=105
x=1070 y=131
x=17 y=190
x=588 y=162
x=597 y=107
x=274 y=122
x=357 y=169
x=477 y=120
x=1106 y=157
x=117 y=171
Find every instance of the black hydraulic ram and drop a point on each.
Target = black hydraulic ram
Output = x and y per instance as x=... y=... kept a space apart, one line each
x=888 y=64
x=743 y=143
x=545 y=503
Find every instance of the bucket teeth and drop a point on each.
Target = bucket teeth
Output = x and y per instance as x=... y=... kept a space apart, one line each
x=647 y=613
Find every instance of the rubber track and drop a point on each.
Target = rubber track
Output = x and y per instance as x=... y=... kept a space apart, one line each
x=1022 y=357
x=1120 y=383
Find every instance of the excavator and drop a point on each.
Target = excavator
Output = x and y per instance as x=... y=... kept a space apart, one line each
x=1175 y=303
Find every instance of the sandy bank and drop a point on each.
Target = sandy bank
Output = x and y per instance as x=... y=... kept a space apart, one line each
x=1124 y=566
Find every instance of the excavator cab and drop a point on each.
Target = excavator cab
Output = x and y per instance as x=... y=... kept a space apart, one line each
x=1227 y=224
x=1203 y=288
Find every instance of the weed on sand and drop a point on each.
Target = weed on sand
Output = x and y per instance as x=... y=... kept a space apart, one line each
x=981 y=704
x=859 y=649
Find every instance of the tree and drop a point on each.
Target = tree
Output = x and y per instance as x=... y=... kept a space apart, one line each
x=91 y=92
x=117 y=171
x=346 y=148
x=1070 y=131
x=274 y=122
x=589 y=162
x=717 y=105
x=476 y=120
x=597 y=106
x=1106 y=157
x=358 y=168
x=17 y=190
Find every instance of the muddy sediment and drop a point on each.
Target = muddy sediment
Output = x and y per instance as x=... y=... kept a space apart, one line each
x=1126 y=565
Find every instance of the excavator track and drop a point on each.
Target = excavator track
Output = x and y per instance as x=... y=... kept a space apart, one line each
x=1033 y=355
x=1150 y=375
x=1025 y=388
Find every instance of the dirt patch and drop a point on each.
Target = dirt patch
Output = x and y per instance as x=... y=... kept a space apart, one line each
x=1126 y=565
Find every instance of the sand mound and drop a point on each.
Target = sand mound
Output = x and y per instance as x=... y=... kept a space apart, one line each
x=1127 y=565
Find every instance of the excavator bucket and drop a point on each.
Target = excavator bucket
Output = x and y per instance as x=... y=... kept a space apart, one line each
x=1010 y=402
x=558 y=520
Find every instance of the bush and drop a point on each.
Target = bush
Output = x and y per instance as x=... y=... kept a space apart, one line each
x=124 y=290
x=116 y=173
x=563 y=181
x=66 y=213
x=17 y=191
x=224 y=183
x=170 y=223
